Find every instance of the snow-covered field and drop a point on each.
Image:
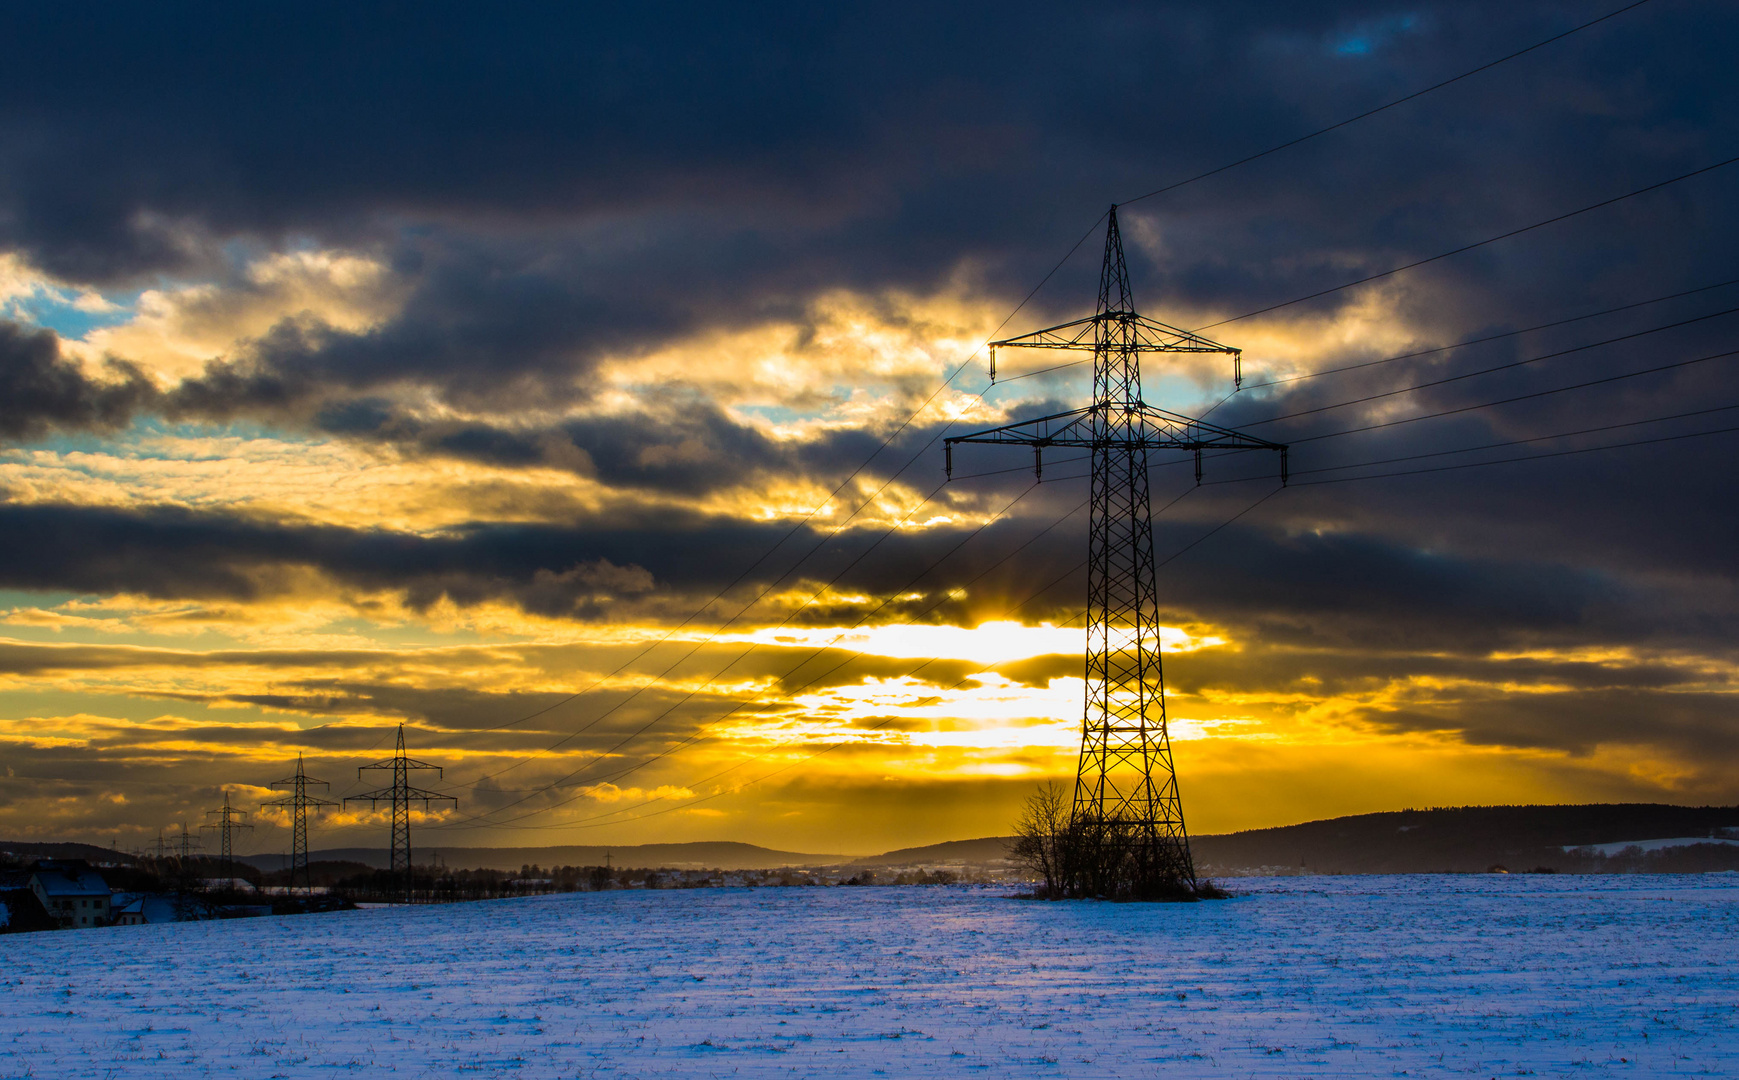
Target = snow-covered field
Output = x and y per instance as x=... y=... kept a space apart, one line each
x=1653 y=845
x=1356 y=976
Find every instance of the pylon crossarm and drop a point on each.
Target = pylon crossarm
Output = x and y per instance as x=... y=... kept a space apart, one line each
x=426 y=797
x=1144 y=335
x=1042 y=431
x=393 y=763
x=1126 y=332
x=1189 y=433
x=385 y=795
x=1069 y=335
x=1151 y=335
x=1138 y=427
x=1142 y=426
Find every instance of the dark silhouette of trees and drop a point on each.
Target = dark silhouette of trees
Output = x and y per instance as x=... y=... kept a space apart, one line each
x=1088 y=859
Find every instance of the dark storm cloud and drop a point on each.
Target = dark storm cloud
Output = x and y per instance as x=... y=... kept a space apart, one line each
x=1697 y=725
x=1350 y=618
x=1281 y=668
x=554 y=185
x=623 y=562
x=687 y=446
x=609 y=712
x=557 y=182
x=492 y=321
x=1340 y=592
x=676 y=443
x=42 y=391
x=1317 y=587
x=169 y=552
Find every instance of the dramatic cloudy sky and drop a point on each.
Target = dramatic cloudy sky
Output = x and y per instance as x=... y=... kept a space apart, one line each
x=567 y=385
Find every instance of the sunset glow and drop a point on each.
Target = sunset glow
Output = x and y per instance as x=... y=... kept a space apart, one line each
x=595 y=435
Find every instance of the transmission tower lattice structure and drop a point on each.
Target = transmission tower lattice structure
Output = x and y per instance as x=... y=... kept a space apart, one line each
x=401 y=795
x=228 y=820
x=186 y=843
x=299 y=802
x=1126 y=793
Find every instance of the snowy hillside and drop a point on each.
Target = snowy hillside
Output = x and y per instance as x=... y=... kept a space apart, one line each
x=1368 y=976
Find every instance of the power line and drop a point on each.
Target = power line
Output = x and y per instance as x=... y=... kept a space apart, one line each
x=1489 y=337
x=1527 y=457
x=1519 y=442
x=1474 y=408
x=1390 y=105
x=1511 y=365
x=1476 y=244
x=1363 y=364
x=1521 y=397
x=1288 y=379
x=1413 y=355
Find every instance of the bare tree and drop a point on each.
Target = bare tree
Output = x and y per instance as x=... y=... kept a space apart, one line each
x=1096 y=859
x=1041 y=838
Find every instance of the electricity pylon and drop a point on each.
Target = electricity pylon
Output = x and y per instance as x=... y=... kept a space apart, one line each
x=299 y=802
x=1126 y=794
x=228 y=820
x=186 y=843
x=401 y=795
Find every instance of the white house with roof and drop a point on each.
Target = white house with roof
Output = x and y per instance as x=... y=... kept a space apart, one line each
x=72 y=893
x=141 y=909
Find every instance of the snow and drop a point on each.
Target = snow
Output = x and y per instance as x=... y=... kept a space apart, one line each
x=1479 y=975
x=1652 y=845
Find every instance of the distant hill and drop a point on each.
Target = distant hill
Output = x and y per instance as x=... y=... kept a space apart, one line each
x=1467 y=839
x=91 y=853
x=984 y=850
x=702 y=855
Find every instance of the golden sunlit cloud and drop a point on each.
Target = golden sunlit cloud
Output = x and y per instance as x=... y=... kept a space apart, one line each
x=987 y=643
x=177 y=331
x=855 y=362
x=543 y=706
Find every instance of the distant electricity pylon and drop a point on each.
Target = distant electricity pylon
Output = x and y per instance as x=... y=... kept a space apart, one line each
x=299 y=802
x=401 y=794
x=1126 y=793
x=228 y=820
x=185 y=843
